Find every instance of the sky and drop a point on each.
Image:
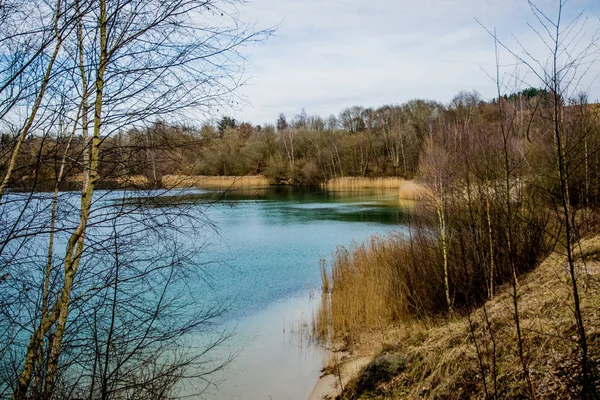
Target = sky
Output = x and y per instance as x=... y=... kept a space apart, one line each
x=327 y=55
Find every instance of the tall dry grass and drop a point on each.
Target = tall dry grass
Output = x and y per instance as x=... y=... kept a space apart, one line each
x=406 y=190
x=133 y=180
x=363 y=284
x=372 y=284
x=443 y=362
x=364 y=183
x=127 y=180
x=411 y=190
x=401 y=278
x=220 y=182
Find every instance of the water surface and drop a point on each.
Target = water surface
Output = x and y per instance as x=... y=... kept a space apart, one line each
x=266 y=265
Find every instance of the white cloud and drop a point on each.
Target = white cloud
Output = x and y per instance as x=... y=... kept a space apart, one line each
x=331 y=54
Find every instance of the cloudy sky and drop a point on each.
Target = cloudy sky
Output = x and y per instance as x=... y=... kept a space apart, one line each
x=330 y=54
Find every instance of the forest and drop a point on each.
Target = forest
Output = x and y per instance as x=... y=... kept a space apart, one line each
x=389 y=141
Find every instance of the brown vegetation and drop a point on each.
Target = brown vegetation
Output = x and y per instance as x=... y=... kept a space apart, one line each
x=442 y=358
x=221 y=182
x=364 y=183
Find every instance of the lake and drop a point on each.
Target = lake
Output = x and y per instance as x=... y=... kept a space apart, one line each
x=265 y=262
x=257 y=252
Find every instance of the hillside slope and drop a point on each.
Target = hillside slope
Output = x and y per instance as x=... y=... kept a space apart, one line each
x=449 y=359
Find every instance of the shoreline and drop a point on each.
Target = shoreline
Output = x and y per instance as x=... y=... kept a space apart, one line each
x=408 y=189
x=327 y=386
x=323 y=389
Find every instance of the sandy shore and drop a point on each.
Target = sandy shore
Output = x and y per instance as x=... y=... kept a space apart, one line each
x=328 y=387
x=324 y=389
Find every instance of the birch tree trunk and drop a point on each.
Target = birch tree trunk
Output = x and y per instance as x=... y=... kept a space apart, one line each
x=76 y=242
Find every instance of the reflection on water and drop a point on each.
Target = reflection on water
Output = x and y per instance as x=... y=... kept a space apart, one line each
x=264 y=261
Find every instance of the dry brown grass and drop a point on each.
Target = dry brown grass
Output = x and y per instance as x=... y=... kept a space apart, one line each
x=359 y=287
x=411 y=190
x=127 y=181
x=363 y=183
x=220 y=182
x=406 y=190
x=442 y=360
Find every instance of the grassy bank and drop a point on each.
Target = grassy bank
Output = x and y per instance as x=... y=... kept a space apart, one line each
x=424 y=271
x=468 y=354
x=408 y=189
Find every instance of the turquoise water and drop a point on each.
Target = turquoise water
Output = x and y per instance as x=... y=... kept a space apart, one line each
x=264 y=262
x=257 y=252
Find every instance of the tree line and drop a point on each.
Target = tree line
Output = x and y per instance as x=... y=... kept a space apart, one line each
x=389 y=141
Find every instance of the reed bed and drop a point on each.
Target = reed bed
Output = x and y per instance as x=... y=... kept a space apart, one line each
x=410 y=276
x=360 y=290
x=411 y=190
x=133 y=180
x=215 y=181
x=364 y=183
x=407 y=190
x=75 y=181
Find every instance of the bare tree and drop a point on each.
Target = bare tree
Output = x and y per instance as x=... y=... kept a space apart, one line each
x=572 y=50
x=128 y=61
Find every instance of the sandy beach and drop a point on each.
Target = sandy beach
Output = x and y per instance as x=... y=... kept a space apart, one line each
x=327 y=387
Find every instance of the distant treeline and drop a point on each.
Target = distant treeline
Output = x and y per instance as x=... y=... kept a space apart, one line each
x=302 y=150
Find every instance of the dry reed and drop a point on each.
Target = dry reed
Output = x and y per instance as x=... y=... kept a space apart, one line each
x=364 y=183
x=214 y=181
x=442 y=360
x=133 y=180
x=410 y=190
x=401 y=278
x=361 y=287
x=406 y=190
